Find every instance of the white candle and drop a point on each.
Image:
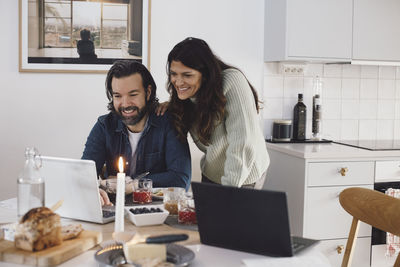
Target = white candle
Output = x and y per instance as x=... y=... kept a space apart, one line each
x=120 y=198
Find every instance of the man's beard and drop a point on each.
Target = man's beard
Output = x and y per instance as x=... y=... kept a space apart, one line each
x=133 y=120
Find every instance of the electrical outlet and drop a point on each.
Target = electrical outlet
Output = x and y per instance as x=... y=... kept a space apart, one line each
x=294 y=69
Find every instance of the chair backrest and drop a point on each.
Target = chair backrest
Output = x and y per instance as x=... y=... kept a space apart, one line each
x=372 y=207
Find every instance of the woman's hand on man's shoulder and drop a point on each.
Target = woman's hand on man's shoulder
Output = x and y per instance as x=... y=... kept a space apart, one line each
x=162 y=108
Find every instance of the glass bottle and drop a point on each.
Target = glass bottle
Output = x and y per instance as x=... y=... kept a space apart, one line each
x=30 y=183
x=317 y=109
x=299 y=119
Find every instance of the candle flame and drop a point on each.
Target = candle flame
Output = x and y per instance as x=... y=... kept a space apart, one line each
x=121 y=165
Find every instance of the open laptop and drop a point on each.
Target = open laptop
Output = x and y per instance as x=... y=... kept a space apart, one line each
x=75 y=182
x=249 y=220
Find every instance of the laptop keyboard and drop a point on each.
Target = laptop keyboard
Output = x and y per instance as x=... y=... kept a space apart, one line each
x=296 y=246
x=108 y=213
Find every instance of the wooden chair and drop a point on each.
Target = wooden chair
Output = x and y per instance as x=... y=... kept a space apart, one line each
x=372 y=207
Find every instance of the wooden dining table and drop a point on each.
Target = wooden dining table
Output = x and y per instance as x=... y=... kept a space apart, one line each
x=205 y=255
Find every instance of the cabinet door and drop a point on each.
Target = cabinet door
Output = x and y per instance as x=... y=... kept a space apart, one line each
x=330 y=248
x=376 y=31
x=319 y=28
x=387 y=171
x=324 y=216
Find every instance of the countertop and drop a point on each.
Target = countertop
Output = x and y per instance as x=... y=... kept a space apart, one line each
x=329 y=151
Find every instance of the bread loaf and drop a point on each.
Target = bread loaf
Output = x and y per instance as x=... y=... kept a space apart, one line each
x=71 y=231
x=38 y=229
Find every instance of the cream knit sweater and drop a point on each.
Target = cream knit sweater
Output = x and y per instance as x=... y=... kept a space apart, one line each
x=237 y=154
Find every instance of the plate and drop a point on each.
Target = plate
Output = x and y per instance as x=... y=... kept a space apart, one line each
x=114 y=255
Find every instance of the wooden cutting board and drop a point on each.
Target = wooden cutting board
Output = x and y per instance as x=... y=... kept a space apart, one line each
x=50 y=256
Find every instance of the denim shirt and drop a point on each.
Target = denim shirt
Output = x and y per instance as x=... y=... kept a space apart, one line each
x=158 y=151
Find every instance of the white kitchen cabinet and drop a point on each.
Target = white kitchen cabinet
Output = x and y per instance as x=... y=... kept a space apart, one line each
x=308 y=30
x=334 y=251
x=313 y=184
x=387 y=171
x=376 y=31
x=324 y=217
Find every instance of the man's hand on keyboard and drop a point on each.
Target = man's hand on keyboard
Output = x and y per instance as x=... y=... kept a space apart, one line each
x=105 y=201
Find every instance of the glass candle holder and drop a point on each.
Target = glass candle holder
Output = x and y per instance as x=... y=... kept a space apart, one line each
x=172 y=195
x=186 y=210
x=142 y=189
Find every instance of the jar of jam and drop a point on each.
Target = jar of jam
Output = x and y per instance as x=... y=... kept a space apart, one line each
x=172 y=195
x=186 y=210
x=142 y=190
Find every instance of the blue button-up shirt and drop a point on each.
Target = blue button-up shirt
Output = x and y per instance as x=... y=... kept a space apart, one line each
x=158 y=151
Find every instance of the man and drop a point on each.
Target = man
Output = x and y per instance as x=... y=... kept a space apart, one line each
x=147 y=142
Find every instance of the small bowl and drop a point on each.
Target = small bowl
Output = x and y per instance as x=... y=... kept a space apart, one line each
x=145 y=219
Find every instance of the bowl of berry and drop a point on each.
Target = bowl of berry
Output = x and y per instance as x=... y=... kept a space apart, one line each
x=147 y=215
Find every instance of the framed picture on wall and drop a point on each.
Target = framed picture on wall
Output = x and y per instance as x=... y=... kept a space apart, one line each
x=82 y=36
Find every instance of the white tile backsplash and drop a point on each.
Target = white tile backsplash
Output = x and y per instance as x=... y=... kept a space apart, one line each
x=314 y=70
x=397 y=111
x=386 y=89
x=271 y=69
x=333 y=70
x=359 y=101
x=331 y=109
x=288 y=105
x=273 y=108
x=387 y=72
x=349 y=130
x=350 y=109
x=368 y=109
x=332 y=88
x=367 y=129
x=398 y=89
x=385 y=129
x=350 y=88
x=273 y=86
x=386 y=109
x=396 y=131
x=369 y=71
x=292 y=86
x=351 y=71
x=331 y=129
x=369 y=89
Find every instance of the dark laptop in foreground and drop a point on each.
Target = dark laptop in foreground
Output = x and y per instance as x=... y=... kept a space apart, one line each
x=75 y=182
x=249 y=220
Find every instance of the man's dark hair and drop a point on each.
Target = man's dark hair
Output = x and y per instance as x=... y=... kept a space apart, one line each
x=125 y=68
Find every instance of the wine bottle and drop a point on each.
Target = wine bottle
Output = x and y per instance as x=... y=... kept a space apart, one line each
x=299 y=119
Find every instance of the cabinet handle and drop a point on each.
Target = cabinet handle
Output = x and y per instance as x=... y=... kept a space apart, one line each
x=343 y=171
x=339 y=249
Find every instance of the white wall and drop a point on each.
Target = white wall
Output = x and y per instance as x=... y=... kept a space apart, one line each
x=55 y=112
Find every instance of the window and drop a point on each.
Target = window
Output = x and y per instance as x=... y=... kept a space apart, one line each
x=63 y=20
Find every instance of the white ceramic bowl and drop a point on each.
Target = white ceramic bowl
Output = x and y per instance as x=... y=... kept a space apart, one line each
x=145 y=219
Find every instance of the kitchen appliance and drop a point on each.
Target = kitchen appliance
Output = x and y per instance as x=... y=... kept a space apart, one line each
x=373 y=145
x=379 y=236
x=282 y=130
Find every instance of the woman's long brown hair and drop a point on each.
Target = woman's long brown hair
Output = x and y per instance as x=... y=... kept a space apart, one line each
x=209 y=107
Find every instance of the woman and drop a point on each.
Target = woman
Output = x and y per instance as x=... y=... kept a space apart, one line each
x=218 y=106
